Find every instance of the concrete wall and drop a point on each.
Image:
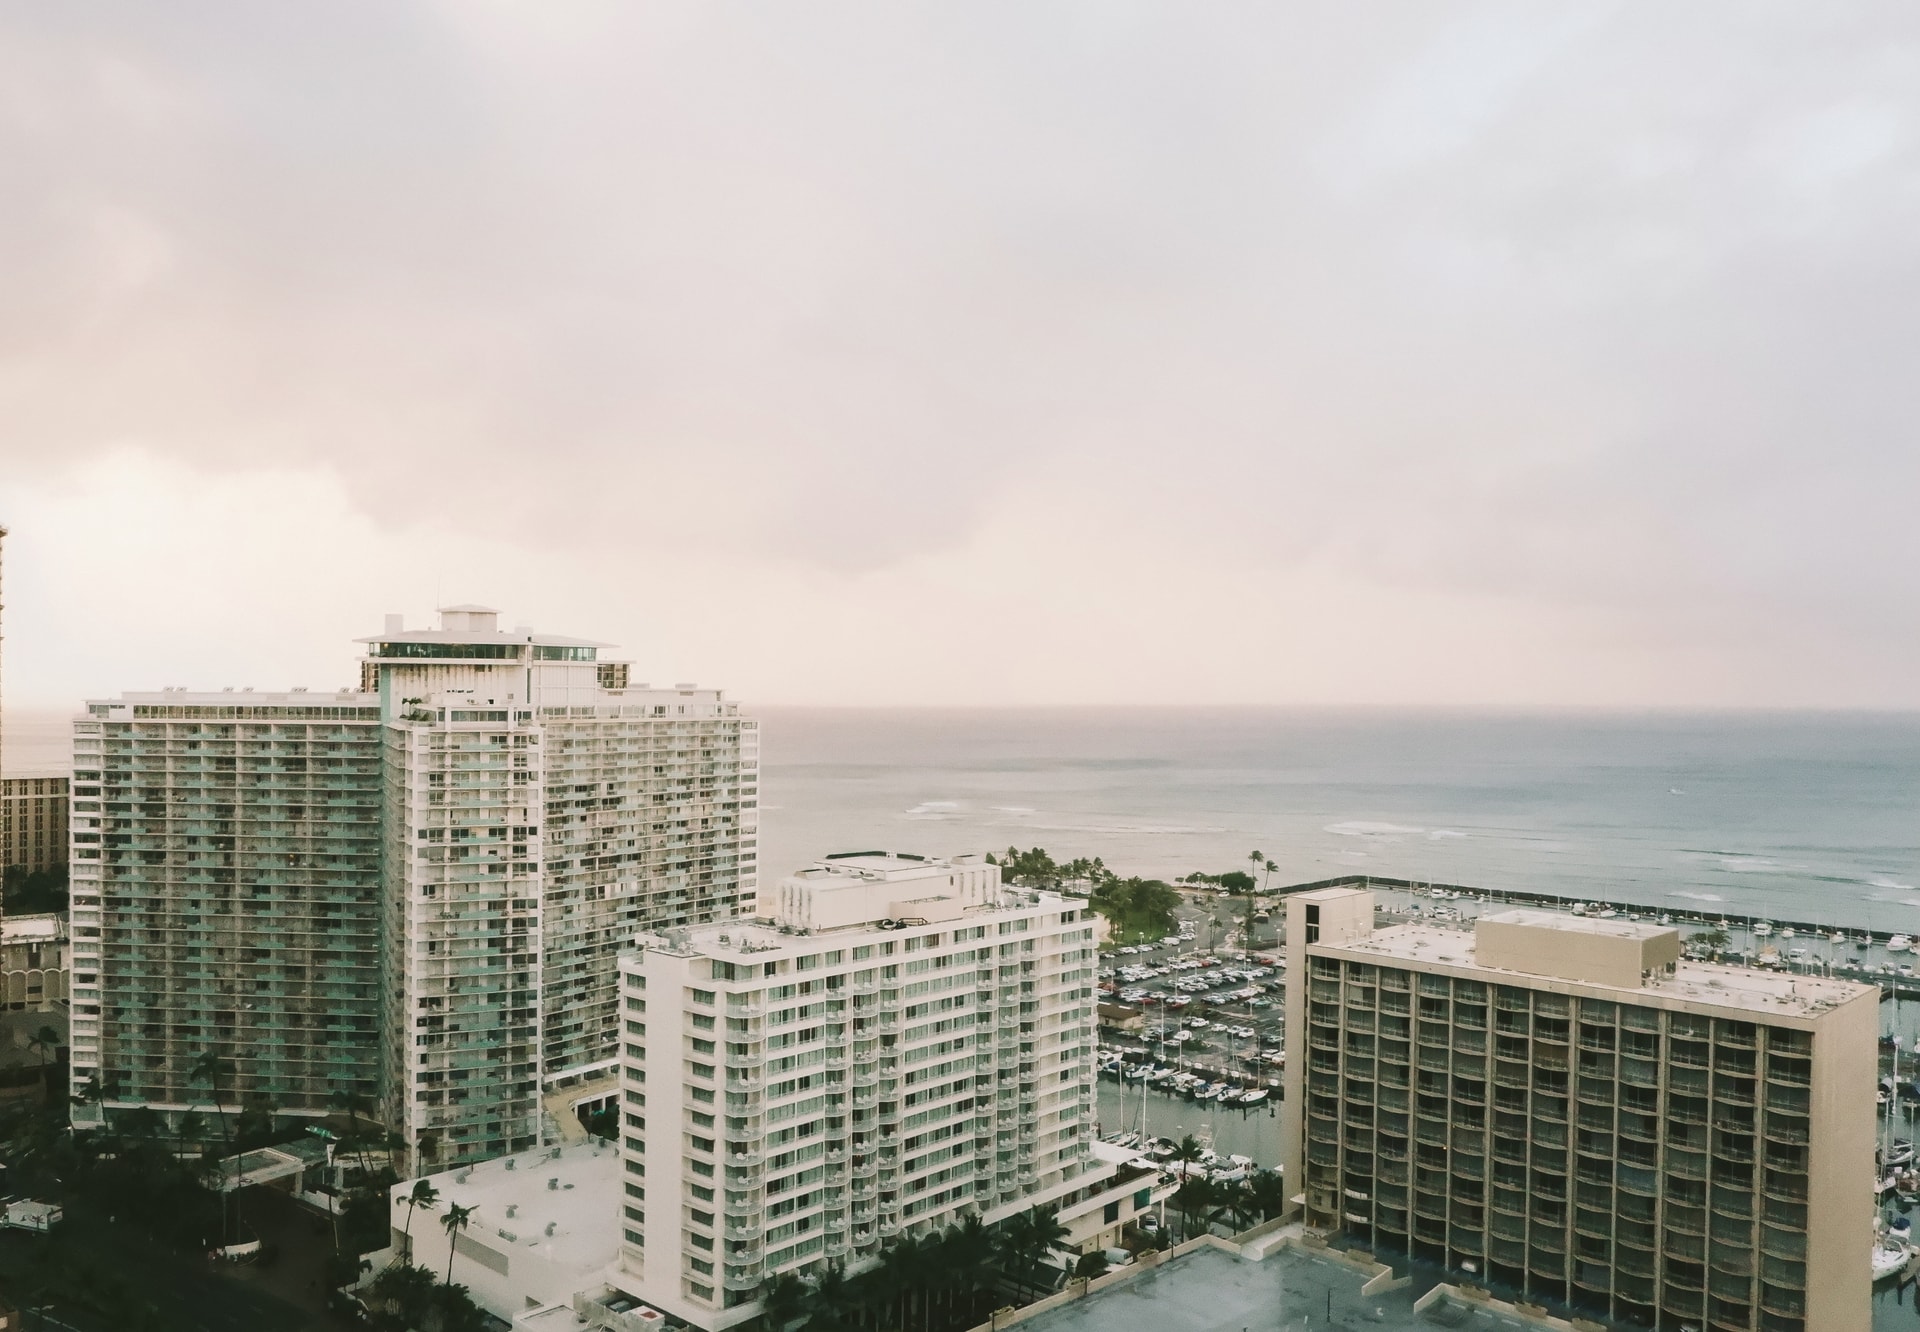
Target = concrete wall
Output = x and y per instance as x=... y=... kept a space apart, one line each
x=1840 y=1207
x=1573 y=954
x=1325 y=916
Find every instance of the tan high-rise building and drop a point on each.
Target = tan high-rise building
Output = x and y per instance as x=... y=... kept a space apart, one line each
x=1563 y=1107
x=33 y=822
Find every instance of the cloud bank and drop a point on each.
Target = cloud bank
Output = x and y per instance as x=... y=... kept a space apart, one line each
x=1008 y=353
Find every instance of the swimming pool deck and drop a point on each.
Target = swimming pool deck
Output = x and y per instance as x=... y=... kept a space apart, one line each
x=1216 y=1289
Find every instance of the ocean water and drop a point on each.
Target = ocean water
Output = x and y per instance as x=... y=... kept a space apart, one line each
x=1812 y=816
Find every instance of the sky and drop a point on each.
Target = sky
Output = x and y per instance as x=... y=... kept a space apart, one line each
x=994 y=353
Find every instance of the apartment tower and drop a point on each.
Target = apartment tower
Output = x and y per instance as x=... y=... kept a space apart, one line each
x=1564 y=1107
x=891 y=1043
x=33 y=822
x=414 y=893
x=224 y=901
x=540 y=810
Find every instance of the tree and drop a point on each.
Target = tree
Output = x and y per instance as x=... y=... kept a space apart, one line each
x=357 y=1108
x=454 y=1222
x=404 y=1291
x=44 y=1042
x=1027 y=1240
x=1711 y=940
x=783 y=1299
x=423 y=1195
x=1138 y=908
x=210 y=1068
x=1197 y=1197
x=835 y=1302
x=1091 y=1264
x=969 y=1258
x=1267 y=1192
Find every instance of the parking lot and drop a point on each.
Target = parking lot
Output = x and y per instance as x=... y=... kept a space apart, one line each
x=1188 y=1015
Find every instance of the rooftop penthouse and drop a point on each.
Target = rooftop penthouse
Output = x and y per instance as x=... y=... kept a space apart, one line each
x=1643 y=959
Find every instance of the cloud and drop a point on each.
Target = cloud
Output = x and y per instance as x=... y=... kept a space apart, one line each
x=1565 y=348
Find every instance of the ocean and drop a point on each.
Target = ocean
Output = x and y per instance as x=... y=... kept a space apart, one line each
x=1811 y=816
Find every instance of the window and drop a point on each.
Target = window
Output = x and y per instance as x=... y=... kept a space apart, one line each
x=1111 y=1213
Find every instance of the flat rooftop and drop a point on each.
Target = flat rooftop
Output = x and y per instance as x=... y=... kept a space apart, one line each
x=1759 y=992
x=1209 y=1290
x=578 y=1194
x=1571 y=924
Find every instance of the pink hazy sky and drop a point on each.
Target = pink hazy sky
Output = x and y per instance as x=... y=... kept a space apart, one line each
x=992 y=353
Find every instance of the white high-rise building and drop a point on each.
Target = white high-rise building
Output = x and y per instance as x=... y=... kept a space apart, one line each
x=540 y=809
x=890 y=1044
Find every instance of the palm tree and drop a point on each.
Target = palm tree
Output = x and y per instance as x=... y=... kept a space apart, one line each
x=835 y=1301
x=969 y=1257
x=44 y=1042
x=1027 y=1240
x=1268 y=1193
x=1258 y=860
x=1198 y=1196
x=423 y=1195
x=454 y=1222
x=190 y=1125
x=783 y=1298
x=357 y=1108
x=210 y=1068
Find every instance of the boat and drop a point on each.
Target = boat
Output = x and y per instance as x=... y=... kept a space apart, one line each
x=1889 y=1258
x=1786 y=932
x=1762 y=929
x=1254 y=1097
x=1899 y=943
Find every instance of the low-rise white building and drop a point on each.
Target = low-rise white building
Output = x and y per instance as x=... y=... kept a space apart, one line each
x=544 y=1226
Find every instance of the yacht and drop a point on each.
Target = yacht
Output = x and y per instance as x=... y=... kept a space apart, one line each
x=1762 y=929
x=1899 y=943
x=1889 y=1257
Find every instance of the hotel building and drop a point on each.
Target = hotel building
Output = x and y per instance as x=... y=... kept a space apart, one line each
x=891 y=1043
x=540 y=810
x=1564 y=1106
x=225 y=876
x=415 y=892
x=33 y=822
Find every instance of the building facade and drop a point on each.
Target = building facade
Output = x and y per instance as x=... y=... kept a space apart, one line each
x=33 y=963
x=890 y=1044
x=1563 y=1106
x=414 y=893
x=540 y=810
x=225 y=877
x=33 y=822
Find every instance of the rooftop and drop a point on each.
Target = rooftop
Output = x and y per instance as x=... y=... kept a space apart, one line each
x=884 y=864
x=27 y=929
x=1210 y=1290
x=565 y=1208
x=1749 y=988
x=316 y=698
x=1561 y=920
